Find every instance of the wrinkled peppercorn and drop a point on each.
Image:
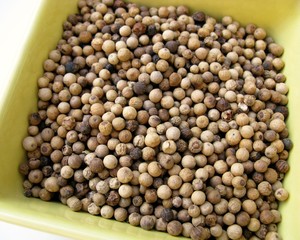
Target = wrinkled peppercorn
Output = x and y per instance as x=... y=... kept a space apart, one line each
x=199 y=17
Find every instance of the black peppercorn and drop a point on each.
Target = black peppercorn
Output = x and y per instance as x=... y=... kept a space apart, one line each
x=172 y=46
x=35 y=119
x=71 y=67
x=288 y=145
x=110 y=68
x=155 y=58
x=132 y=125
x=167 y=215
x=268 y=65
x=199 y=17
x=135 y=153
x=151 y=30
x=282 y=109
x=186 y=133
x=113 y=198
x=139 y=88
x=85 y=128
x=27 y=193
x=45 y=161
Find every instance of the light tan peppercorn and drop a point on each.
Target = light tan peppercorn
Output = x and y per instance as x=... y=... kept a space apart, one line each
x=152 y=140
x=74 y=203
x=124 y=175
x=164 y=192
x=154 y=169
x=29 y=144
x=281 y=194
x=107 y=211
x=234 y=231
x=233 y=137
x=110 y=161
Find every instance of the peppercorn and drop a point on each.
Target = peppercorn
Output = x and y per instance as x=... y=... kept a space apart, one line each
x=199 y=233
x=174 y=228
x=147 y=222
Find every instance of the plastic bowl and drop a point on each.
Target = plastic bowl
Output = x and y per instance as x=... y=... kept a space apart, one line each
x=281 y=20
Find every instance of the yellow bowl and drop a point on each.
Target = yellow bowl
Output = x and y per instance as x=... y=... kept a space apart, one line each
x=280 y=18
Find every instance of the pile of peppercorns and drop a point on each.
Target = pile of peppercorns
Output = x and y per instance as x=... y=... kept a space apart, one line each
x=162 y=119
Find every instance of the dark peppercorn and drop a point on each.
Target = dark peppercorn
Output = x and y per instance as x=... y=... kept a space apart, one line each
x=24 y=168
x=135 y=153
x=106 y=29
x=62 y=181
x=139 y=51
x=222 y=105
x=115 y=27
x=45 y=161
x=96 y=165
x=119 y=4
x=151 y=30
x=35 y=119
x=255 y=156
x=181 y=145
x=155 y=58
x=139 y=88
x=139 y=29
x=268 y=65
x=47 y=171
x=240 y=84
x=81 y=189
x=110 y=68
x=288 y=145
x=85 y=128
x=257 y=177
x=163 y=115
x=199 y=233
x=211 y=220
x=42 y=126
x=282 y=166
x=167 y=215
x=186 y=133
x=27 y=193
x=221 y=40
x=132 y=125
x=199 y=17
x=113 y=198
x=66 y=191
x=71 y=67
x=172 y=46
x=72 y=18
x=262 y=232
x=257 y=70
x=282 y=109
